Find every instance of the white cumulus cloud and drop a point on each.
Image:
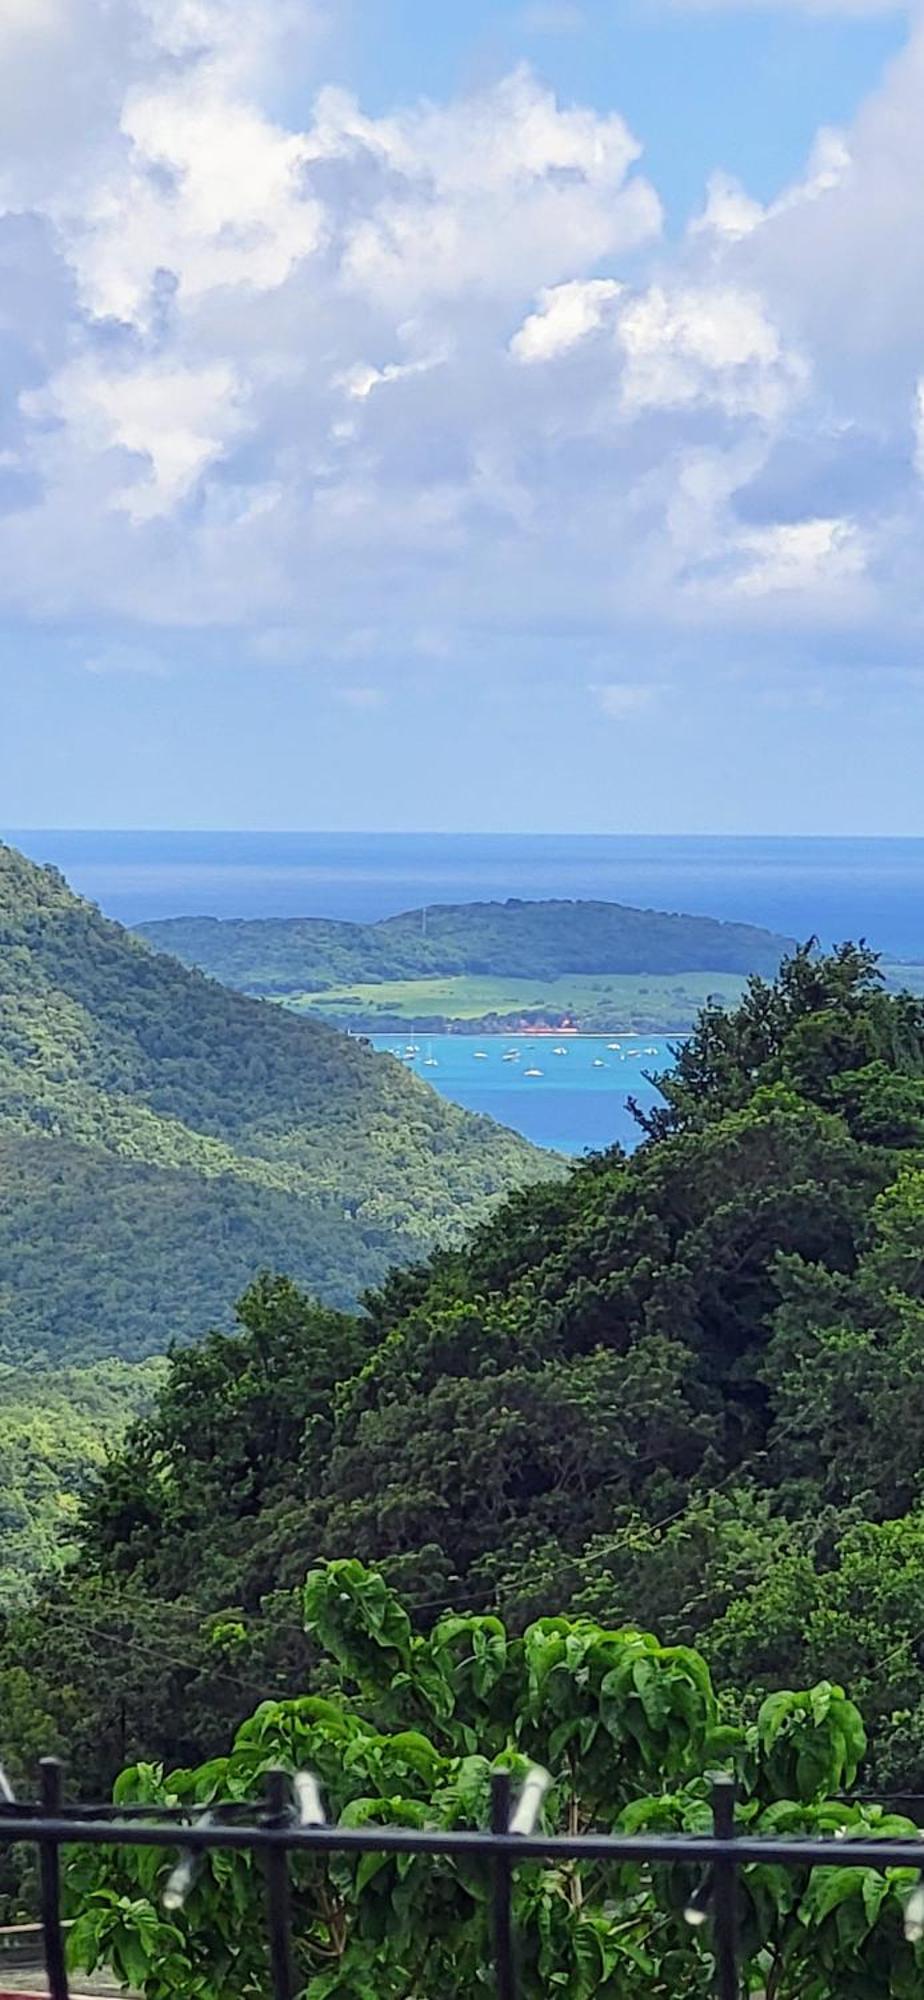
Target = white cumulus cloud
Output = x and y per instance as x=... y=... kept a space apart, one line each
x=707 y=344
x=566 y=315
x=287 y=365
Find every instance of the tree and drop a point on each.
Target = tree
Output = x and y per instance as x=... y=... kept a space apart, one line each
x=822 y=1018
x=406 y=1729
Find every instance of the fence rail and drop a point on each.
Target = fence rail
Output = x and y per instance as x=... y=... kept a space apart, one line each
x=278 y=1832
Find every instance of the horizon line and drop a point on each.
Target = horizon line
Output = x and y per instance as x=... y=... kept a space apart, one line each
x=448 y=833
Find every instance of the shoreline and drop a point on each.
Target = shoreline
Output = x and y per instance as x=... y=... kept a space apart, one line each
x=476 y=1034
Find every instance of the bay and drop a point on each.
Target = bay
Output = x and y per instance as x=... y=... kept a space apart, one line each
x=570 y=1094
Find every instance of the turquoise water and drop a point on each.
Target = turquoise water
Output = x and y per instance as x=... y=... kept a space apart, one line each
x=578 y=1100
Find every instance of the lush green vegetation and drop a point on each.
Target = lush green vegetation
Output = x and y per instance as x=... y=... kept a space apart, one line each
x=407 y=1730
x=684 y=1385
x=56 y=1427
x=482 y=1002
x=490 y=962
x=160 y=1138
x=681 y=1391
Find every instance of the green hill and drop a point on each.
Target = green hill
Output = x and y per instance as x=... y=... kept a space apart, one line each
x=161 y=1138
x=513 y=939
x=483 y=967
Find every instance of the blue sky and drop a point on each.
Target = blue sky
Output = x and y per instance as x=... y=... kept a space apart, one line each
x=745 y=89
x=480 y=415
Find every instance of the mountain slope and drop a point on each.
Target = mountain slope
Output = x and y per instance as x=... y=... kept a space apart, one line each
x=161 y=1137
x=514 y=939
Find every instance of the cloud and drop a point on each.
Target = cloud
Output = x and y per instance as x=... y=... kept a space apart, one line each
x=484 y=198
x=621 y=700
x=566 y=315
x=359 y=381
x=176 y=421
x=296 y=371
x=706 y=344
x=797 y=557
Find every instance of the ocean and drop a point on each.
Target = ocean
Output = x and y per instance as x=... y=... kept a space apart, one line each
x=835 y=888
x=829 y=888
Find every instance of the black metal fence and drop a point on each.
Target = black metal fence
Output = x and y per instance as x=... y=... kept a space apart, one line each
x=280 y=1830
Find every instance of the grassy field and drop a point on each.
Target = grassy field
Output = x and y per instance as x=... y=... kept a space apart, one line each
x=594 y=1000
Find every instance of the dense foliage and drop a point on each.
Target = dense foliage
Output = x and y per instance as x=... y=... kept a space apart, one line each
x=681 y=1390
x=682 y=1387
x=160 y=1138
x=529 y=940
x=406 y=1729
x=56 y=1426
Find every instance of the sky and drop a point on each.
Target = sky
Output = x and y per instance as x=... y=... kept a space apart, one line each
x=485 y=414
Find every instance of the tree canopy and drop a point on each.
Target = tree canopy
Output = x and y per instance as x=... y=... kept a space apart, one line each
x=683 y=1384
x=406 y=1728
x=681 y=1390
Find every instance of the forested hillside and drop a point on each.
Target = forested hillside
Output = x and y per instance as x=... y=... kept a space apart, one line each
x=160 y=1138
x=683 y=1389
x=56 y=1427
x=516 y=939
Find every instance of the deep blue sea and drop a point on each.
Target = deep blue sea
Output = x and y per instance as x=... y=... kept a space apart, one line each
x=836 y=888
x=832 y=888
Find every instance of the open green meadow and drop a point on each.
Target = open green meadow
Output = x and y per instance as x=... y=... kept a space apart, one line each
x=594 y=1000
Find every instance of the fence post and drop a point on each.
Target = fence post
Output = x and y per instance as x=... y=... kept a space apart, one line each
x=502 y=1875
x=725 y=1894
x=50 y=1779
x=279 y=1905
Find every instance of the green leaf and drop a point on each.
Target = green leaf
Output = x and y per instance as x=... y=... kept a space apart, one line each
x=826 y=1889
x=369 y=1866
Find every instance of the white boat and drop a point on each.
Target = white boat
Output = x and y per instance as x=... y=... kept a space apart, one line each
x=430 y=1061
x=532 y=1072
x=479 y=1055
x=559 y=1052
x=614 y=1045
x=598 y=1063
x=652 y=1051
x=510 y=1055
x=633 y=1052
